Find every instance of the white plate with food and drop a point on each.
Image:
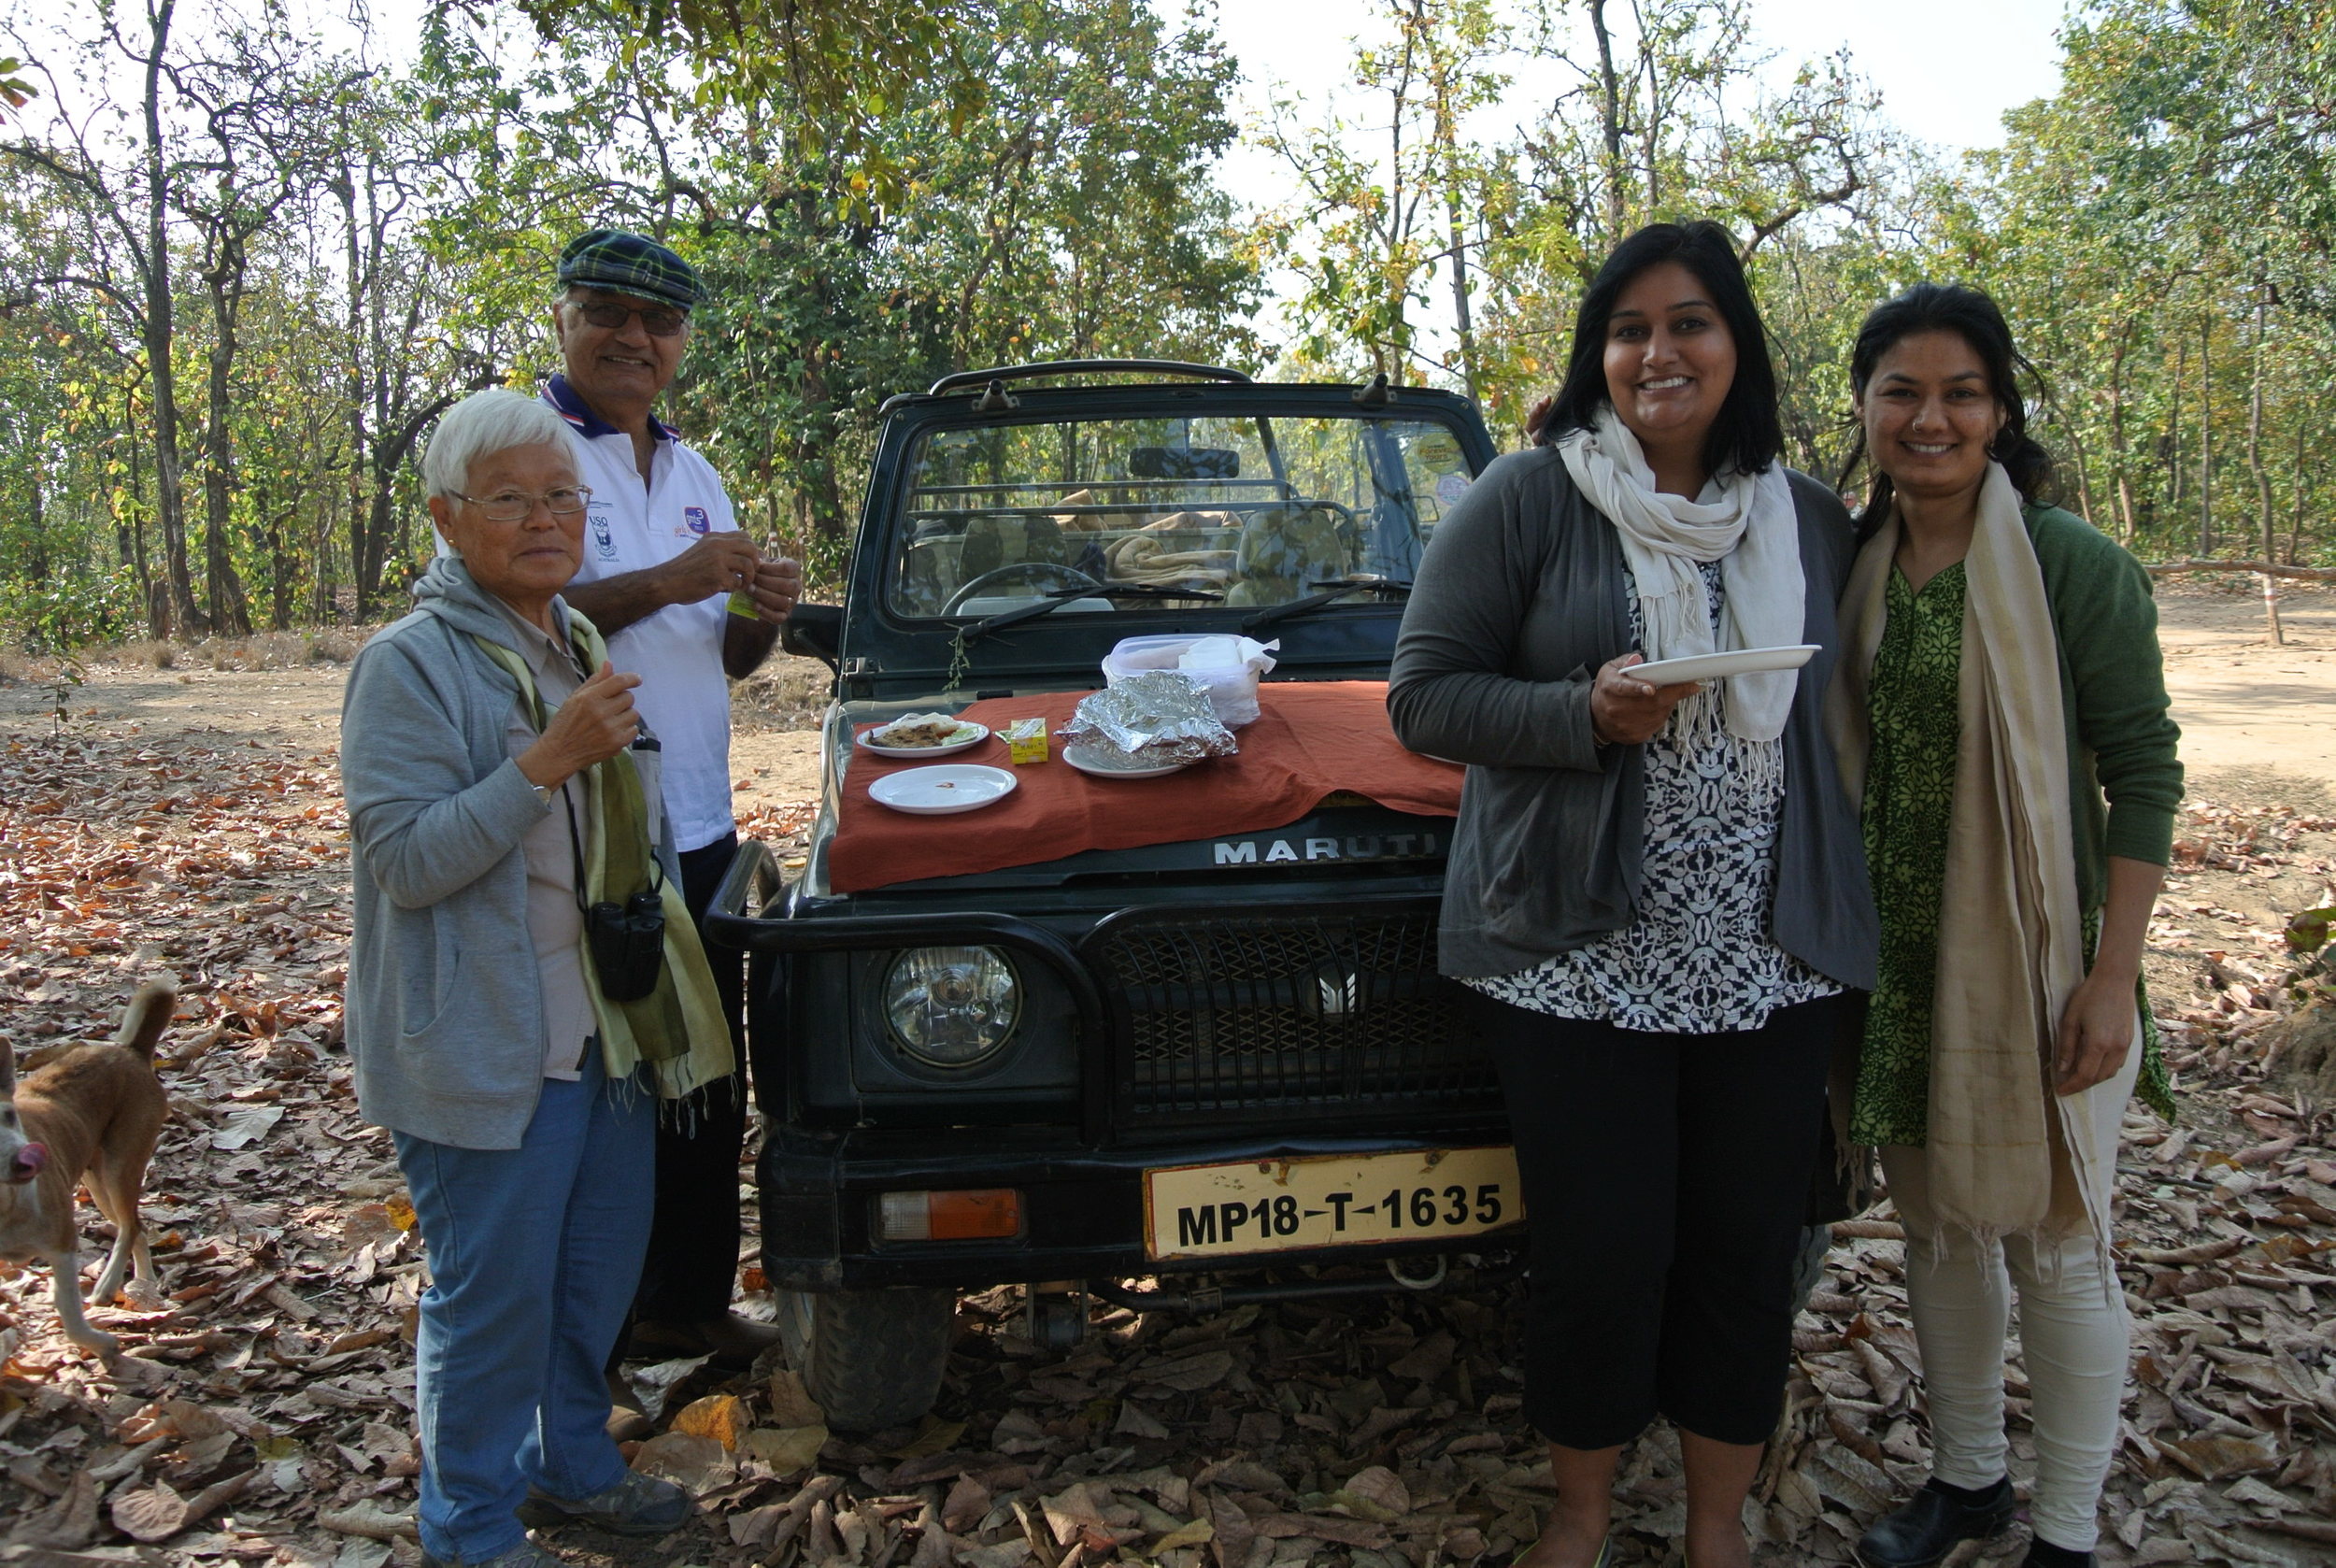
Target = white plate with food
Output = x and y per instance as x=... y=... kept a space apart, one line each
x=1712 y=666
x=923 y=734
x=939 y=791
x=1104 y=763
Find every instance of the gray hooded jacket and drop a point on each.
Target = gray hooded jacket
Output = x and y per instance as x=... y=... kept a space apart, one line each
x=445 y=1018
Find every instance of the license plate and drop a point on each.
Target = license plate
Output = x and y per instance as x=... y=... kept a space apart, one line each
x=1328 y=1199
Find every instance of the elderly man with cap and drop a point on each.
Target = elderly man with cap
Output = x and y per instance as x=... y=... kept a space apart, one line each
x=685 y=599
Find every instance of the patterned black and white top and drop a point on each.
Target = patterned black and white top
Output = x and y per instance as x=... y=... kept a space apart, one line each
x=1699 y=959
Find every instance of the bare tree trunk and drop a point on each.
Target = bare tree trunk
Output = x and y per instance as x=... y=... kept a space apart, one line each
x=1446 y=133
x=150 y=602
x=2206 y=437
x=1610 y=119
x=2174 y=424
x=2118 y=458
x=157 y=332
x=231 y=609
x=2084 y=476
x=1462 y=321
x=2294 y=521
x=2255 y=463
x=36 y=521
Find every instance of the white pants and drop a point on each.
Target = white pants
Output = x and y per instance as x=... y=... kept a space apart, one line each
x=2073 y=1331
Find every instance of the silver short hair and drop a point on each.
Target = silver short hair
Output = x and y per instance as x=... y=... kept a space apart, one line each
x=483 y=425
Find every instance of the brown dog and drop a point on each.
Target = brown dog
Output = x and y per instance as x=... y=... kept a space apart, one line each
x=94 y=1112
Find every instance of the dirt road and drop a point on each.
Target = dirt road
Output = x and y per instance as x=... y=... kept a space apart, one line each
x=2256 y=721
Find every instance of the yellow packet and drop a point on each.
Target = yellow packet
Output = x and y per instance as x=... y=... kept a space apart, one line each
x=1025 y=740
x=742 y=605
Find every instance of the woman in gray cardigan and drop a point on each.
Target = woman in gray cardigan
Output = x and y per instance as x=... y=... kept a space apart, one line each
x=1656 y=890
x=478 y=735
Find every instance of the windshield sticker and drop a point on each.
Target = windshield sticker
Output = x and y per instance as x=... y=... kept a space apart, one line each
x=1450 y=487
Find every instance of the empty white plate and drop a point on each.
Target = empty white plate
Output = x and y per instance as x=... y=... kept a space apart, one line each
x=1711 y=666
x=937 y=791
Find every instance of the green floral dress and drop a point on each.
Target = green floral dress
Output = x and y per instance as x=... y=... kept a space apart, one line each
x=1909 y=806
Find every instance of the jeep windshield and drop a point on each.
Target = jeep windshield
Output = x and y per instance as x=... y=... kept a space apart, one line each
x=1228 y=514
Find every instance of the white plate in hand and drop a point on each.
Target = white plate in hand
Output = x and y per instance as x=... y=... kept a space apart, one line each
x=937 y=791
x=965 y=734
x=1712 y=666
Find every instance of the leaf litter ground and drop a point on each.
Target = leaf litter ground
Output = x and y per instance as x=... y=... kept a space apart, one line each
x=264 y=1411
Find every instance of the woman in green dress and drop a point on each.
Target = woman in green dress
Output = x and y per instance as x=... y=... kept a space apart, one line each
x=2001 y=714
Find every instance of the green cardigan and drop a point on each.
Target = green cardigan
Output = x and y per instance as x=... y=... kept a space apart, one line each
x=2125 y=773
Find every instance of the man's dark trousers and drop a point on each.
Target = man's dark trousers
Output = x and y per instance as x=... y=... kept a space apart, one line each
x=693 y=1259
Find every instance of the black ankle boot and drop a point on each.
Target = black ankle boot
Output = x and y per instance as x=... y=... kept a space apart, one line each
x=2044 y=1554
x=1933 y=1521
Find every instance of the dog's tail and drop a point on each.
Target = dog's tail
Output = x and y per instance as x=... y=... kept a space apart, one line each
x=148 y=1015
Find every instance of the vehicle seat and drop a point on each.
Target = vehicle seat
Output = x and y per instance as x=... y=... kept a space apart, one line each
x=1283 y=551
x=996 y=539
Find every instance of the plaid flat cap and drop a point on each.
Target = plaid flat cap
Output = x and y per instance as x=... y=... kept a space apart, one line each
x=630 y=264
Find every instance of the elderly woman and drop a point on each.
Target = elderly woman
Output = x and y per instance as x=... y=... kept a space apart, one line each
x=1658 y=889
x=503 y=828
x=2003 y=712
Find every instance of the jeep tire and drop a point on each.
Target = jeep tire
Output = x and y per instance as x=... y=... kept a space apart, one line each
x=871 y=1358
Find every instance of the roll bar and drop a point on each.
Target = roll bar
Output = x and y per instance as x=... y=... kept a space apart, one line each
x=964 y=379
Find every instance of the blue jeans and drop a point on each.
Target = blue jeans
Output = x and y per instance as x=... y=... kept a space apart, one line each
x=533 y=1252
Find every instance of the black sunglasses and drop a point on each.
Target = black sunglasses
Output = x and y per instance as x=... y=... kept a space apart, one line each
x=656 y=320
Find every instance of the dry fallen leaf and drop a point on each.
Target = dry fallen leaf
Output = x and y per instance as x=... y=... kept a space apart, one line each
x=693 y=1463
x=2212 y=1459
x=244 y=1126
x=722 y=1418
x=785 y=1449
x=792 y=1404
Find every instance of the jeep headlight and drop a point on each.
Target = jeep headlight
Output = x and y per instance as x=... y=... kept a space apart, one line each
x=951 y=1007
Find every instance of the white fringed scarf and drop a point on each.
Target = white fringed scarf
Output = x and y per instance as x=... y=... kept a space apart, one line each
x=1750 y=527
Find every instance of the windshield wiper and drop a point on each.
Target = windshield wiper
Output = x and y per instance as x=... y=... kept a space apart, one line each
x=1056 y=598
x=1313 y=601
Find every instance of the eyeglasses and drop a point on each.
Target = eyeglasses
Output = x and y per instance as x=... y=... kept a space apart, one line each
x=656 y=320
x=513 y=506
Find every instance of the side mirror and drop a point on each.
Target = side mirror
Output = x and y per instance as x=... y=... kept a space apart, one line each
x=814 y=631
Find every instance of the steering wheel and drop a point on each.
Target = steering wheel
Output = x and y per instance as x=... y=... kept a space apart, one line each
x=1068 y=577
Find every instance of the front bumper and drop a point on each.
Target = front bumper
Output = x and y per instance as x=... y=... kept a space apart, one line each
x=1083 y=1208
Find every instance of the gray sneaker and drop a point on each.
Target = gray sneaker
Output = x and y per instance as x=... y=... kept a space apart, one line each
x=638 y=1505
x=527 y=1554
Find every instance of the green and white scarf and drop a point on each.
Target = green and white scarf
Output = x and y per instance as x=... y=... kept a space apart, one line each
x=677 y=1029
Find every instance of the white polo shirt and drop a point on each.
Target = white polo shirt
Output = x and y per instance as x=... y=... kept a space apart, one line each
x=684 y=694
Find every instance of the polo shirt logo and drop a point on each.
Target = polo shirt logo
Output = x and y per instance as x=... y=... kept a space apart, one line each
x=697 y=519
x=603 y=542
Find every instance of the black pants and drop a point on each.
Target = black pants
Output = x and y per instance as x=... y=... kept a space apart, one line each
x=693 y=1259
x=1666 y=1177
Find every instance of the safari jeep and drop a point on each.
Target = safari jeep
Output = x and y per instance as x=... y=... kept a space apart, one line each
x=1178 y=1076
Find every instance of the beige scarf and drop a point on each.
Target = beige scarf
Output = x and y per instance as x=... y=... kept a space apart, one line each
x=1749 y=525
x=2011 y=943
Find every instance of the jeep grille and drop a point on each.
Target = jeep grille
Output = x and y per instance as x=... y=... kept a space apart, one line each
x=1250 y=1016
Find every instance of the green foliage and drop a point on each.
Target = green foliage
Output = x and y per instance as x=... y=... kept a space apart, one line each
x=222 y=428
x=844 y=70
x=60 y=613
x=15 y=91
